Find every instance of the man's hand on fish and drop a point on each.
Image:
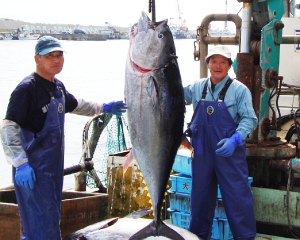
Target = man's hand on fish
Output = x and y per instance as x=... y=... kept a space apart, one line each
x=115 y=107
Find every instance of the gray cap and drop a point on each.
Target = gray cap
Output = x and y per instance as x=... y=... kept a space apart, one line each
x=220 y=50
x=47 y=44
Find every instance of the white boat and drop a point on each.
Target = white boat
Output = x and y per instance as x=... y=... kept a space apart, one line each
x=28 y=36
x=5 y=36
x=25 y=33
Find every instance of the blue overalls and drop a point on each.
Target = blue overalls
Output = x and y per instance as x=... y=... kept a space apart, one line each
x=210 y=123
x=40 y=207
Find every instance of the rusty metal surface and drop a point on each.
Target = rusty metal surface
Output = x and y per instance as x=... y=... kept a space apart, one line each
x=265 y=128
x=255 y=47
x=271 y=150
x=78 y=210
x=279 y=165
x=244 y=72
x=272 y=78
x=221 y=40
x=256 y=92
x=270 y=208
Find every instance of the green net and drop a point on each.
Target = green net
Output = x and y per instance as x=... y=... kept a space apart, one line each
x=107 y=134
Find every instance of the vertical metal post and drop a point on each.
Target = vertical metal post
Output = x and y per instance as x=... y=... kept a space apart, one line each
x=246 y=27
x=152 y=9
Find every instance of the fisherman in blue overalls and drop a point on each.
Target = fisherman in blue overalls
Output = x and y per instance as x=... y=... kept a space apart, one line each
x=223 y=119
x=32 y=135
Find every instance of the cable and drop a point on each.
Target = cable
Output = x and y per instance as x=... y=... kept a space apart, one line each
x=295 y=120
x=290 y=133
x=285 y=118
x=272 y=94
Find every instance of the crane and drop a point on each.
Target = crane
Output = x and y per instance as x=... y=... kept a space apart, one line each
x=111 y=27
x=181 y=22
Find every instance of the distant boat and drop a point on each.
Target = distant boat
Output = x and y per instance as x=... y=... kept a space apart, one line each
x=220 y=32
x=124 y=35
x=178 y=25
x=27 y=36
x=179 y=32
x=23 y=34
x=5 y=36
x=214 y=32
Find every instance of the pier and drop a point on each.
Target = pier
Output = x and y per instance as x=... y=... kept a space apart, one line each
x=77 y=37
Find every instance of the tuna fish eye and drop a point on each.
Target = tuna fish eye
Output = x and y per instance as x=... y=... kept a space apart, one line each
x=160 y=35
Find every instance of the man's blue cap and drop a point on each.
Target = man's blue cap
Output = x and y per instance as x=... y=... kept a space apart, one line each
x=47 y=44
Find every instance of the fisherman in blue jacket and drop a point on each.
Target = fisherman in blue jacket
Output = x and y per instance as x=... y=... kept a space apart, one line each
x=222 y=121
x=32 y=135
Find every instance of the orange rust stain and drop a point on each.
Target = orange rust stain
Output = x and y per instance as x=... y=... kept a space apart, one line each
x=247 y=5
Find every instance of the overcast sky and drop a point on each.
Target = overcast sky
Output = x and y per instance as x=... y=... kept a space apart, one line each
x=122 y=13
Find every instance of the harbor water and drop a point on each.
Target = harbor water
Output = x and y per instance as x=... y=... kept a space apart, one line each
x=93 y=70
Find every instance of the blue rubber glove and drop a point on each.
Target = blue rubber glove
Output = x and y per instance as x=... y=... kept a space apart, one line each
x=115 y=107
x=227 y=145
x=25 y=176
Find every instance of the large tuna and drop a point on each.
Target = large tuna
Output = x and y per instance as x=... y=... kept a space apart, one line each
x=122 y=229
x=155 y=100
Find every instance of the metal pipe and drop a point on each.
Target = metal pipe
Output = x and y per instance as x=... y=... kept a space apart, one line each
x=246 y=27
x=291 y=39
x=297 y=11
x=79 y=167
x=221 y=40
x=255 y=45
x=205 y=39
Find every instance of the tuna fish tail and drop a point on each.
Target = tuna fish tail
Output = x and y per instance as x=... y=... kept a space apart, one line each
x=156 y=229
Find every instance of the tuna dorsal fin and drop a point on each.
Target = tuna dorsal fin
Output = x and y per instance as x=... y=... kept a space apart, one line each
x=160 y=230
x=151 y=88
x=143 y=22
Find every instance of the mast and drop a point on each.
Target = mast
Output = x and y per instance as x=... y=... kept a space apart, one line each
x=225 y=23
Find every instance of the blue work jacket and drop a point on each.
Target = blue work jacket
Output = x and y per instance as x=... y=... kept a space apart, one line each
x=238 y=101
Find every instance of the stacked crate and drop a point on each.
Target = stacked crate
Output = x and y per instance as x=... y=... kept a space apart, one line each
x=179 y=195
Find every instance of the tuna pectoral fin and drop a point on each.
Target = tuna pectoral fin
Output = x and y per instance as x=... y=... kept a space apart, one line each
x=160 y=230
x=91 y=228
x=186 y=143
x=129 y=158
x=139 y=213
x=151 y=88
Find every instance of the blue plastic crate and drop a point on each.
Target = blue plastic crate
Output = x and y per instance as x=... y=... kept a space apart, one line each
x=224 y=229
x=180 y=201
x=220 y=210
x=250 y=180
x=180 y=219
x=181 y=183
x=220 y=227
x=215 y=230
x=221 y=230
x=183 y=162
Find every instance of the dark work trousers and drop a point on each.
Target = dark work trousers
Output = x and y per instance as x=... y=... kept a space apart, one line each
x=211 y=123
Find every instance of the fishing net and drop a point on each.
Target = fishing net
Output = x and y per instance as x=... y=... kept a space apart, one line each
x=105 y=134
